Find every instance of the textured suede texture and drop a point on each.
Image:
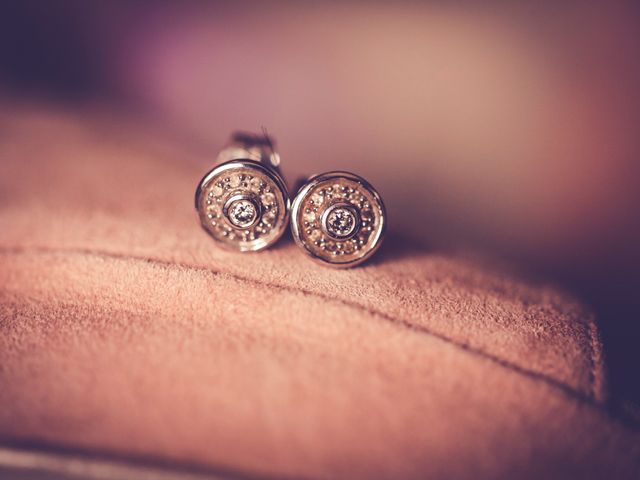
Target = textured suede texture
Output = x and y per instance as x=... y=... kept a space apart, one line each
x=125 y=330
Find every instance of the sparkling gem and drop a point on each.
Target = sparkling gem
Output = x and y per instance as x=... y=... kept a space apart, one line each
x=317 y=199
x=268 y=198
x=217 y=190
x=242 y=213
x=340 y=222
x=347 y=247
x=255 y=184
x=235 y=180
x=315 y=235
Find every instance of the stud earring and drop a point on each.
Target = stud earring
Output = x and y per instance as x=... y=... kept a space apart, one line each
x=338 y=218
x=243 y=201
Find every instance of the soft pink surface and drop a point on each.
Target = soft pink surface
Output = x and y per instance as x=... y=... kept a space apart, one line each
x=125 y=330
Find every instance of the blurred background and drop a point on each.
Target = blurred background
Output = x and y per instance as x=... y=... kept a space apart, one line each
x=510 y=130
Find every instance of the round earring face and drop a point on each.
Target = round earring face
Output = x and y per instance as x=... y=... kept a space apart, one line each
x=243 y=205
x=338 y=218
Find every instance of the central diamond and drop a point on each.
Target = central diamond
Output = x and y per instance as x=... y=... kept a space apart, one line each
x=340 y=222
x=242 y=213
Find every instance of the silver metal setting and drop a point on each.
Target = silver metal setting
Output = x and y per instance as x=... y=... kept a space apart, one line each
x=243 y=202
x=338 y=219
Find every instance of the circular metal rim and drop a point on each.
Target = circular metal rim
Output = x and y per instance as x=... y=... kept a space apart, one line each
x=246 y=163
x=302 y=193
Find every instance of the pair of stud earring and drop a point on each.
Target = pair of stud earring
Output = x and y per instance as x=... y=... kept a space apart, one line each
x=337 y=218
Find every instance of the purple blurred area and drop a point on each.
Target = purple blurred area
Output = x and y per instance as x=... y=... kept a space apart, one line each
x=511 y=130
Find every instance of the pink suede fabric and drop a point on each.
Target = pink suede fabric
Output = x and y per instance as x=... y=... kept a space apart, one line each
x=125 y=330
